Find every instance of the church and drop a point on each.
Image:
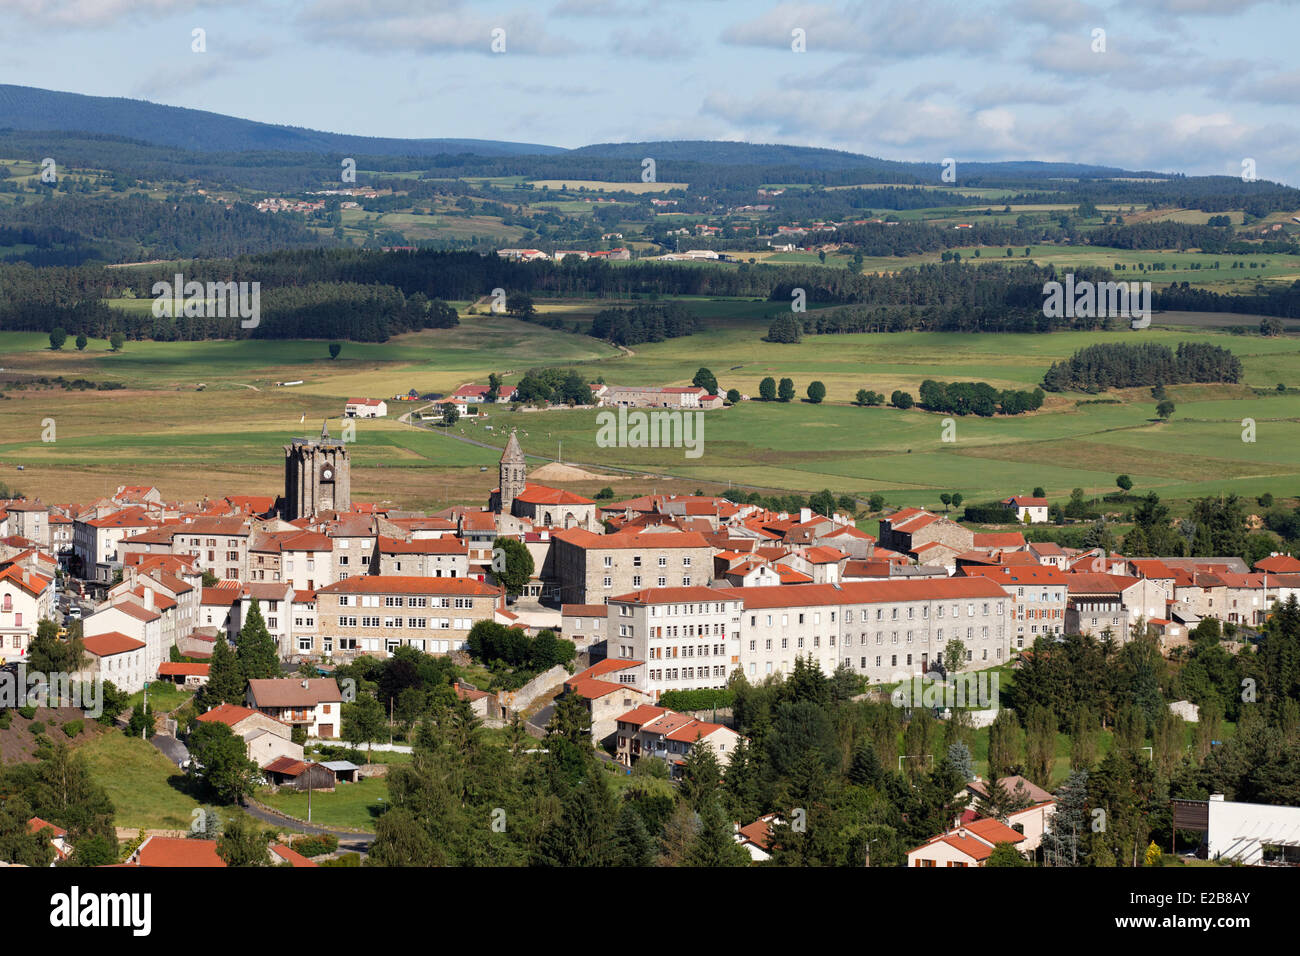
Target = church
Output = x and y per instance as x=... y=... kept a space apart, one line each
x=535 y=506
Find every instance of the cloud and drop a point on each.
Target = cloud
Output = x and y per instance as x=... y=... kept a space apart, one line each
x=390 y=26
x=921 y=28
x=85 y=14
x=659 y=43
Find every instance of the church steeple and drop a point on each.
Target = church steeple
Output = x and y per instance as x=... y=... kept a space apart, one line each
x=513 y=473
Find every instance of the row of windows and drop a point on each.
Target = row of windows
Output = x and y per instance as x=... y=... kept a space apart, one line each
x=688 y=673
x=437 y=623
x=636 y=582
x=636 y=561
x=372 y=600
x=688 y=650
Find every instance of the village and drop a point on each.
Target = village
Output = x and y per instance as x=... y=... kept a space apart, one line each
x=658 y=595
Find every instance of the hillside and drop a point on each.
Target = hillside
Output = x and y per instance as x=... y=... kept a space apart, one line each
x=28 y=108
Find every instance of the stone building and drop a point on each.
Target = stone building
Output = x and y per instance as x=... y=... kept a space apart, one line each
x=317 y=476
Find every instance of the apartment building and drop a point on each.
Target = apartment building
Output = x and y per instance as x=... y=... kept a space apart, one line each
x=590 y=568
x=376 y=614
x=218 y=545
x=30 y=520
x=882 y=629
x=96 y=541
x=688 y=637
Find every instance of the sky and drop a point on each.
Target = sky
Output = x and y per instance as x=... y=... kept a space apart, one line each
x=1194 y=86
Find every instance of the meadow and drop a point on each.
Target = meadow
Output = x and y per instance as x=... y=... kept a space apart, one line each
x=161 y=428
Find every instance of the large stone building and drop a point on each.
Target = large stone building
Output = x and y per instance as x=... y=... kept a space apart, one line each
x=590 y=568
x=376 y=614
x=317 y=476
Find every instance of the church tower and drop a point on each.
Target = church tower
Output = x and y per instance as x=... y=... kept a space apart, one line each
x=514 y=474
x=317 y=476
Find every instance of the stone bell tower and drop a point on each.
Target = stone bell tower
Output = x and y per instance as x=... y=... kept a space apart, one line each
x=317 y=476
x=514 y=474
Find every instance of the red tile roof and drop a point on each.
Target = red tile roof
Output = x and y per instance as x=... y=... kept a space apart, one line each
x=183 y=669
x=542 y=495
x=113 y=642
x=228 y=714
x=179 y=851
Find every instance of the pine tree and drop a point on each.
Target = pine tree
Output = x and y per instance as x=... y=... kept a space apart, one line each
x=255 y=649
x=225 y=682
x=715 y=843
x=701 y=776
x=959 y=759
x=1066 y=838
x=632 y=843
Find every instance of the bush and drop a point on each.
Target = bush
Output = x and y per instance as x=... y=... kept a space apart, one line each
x=74 y=727
x=316 y=845
x=6 y=719
x=36 y=727
x=28 y=711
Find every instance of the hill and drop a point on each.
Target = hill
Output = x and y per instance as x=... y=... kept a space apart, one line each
x=28 y=108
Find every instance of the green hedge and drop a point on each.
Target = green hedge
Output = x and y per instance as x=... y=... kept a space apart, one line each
x=702 y=699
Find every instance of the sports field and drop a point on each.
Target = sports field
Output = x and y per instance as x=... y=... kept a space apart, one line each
x=226 y=437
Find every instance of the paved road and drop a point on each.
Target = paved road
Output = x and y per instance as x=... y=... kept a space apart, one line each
x=171 y=748
x=349 y=841
x=542 y=718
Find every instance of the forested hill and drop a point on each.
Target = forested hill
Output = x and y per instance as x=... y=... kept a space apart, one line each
x=28 y=108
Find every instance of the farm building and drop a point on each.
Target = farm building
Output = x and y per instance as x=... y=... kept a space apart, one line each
x=366 y=408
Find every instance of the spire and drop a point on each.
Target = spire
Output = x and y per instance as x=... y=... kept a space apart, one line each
x=513 y=452
x=325 y=430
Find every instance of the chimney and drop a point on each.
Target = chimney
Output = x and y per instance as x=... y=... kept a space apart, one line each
x=148 y=598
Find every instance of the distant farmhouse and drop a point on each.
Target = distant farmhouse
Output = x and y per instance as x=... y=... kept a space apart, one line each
x=366 y=408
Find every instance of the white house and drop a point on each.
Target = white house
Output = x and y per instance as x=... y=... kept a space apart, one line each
x=1033 y=510
x=115 y=657
x=313 y=703
x=25 y=598
x=366 y=408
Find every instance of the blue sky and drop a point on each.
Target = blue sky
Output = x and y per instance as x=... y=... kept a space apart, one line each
x=1182 y=85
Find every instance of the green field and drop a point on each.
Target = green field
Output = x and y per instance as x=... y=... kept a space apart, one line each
x=352 y=805
x=146 y=788
x=162 y=429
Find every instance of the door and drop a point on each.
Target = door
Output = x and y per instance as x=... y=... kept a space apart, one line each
x=326 y=730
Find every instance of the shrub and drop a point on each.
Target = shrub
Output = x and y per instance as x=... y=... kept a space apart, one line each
x=28 y=711
x=36 y=727
x=73 y=727
x=316 y=845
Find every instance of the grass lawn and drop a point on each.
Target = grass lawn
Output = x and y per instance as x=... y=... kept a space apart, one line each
x=354 y=805
x=146 y=788
x=164 y=697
